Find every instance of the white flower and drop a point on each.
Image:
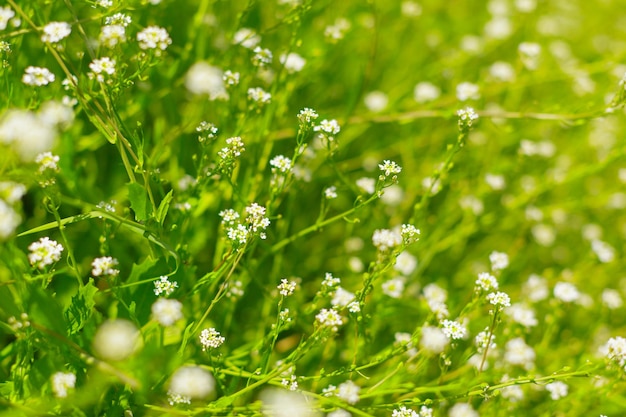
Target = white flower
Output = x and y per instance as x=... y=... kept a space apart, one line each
x=37 y=76
x=453 y=329
x=104 y=266
x=6 y=14
x=103 y=65
x=522 y=314
x=307 y=115
x=486 y=282
x=329 y=318
x=44 y=252
x=404 y=412
x=467 y=91
x=54 y=32
x=292 y=62
x=529 y=54
x=330 y=193
x=502 y=71
x=462 y=410
x=536 y=288
x=434 y=293
x=330 y=127
x=385 y=239
x=116 y=339
x=154 y=37
x=118 y=19
x=499 y=299
x=389 y=167
x=467 y=116
x=342 y=297
x=164 y=286
x=192 y=382
x=366 y=184
x=557 y=390
x=566 y=292
x=425 y=92
x=61 y=382
x=611 y=298
x=259 y=95
x=603 y=251
x=394 y=287
x=167 y=312
x=284 y=403
x=517 y=352
x=47 y=161
x=615 y=350
x=112 y=35
x=247 y=38
x=210 y=338
x=262 y=57
x=9 y=220
x=433 y=340
x=349 y=392
x=286 y=287
x=376 y=101
x=205 y=79
x=280 y=163
x=405 y=263
x=499 y=260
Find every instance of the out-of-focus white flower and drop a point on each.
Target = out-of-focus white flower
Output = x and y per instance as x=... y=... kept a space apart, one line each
x=203 y=78
x=116 y=340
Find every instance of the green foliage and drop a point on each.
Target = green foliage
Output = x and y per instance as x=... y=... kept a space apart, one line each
x=225 y=230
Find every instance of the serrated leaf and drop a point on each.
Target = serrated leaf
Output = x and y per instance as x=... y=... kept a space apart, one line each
x=138 y=197
x=81 y=307
x=164 y=207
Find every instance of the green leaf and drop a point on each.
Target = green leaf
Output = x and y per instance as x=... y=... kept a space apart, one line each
x=138 y=197
x=164 y=208
x=81 y=307
x=45 y=311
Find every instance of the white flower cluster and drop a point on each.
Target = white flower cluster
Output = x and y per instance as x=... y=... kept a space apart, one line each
x=286 y=287
x=307 y=116
x=262 y=57
x=207 y=131
x=389 y=167
x=233 y=150
x=37 y=76
x=44 y=252
x=499 y=299
x=211 y=339
x=154 y=37
x=453 y=329
x=254 y=224
x=499 y=260
x=259 y=96
x=62 y=382
x=616 y=351
x=328 y=127
x=54 y=32
x=386 y=239
x=467 y=117
x=190 y=382
x=486 y=282
x=101 y=68
x=104 y=266
x=329 y=318
x=164 y=286
x=47 y=161
x=281 y=164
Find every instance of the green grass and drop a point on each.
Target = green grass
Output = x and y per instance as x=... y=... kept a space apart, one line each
x=538 y=177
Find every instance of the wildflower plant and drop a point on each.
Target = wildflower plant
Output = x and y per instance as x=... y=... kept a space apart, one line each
x=245 y=208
